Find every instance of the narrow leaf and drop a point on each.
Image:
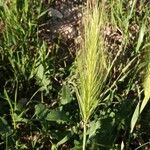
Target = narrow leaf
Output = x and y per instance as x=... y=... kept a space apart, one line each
x=141 y=36
x=65 y=139
x=135 y=117
x=146 y=86
x=144 y=102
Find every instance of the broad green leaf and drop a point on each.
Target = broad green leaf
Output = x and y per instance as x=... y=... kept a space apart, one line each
x=40 y=71
x=66 y=95
x=41 y=111
x=93 y=127
x=135 y=117
x=42 y=78
x=56 y=115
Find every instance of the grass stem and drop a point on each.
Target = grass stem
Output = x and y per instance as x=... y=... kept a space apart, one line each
x=84 y=136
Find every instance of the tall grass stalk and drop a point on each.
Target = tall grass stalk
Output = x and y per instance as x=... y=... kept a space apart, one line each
x=91 y=64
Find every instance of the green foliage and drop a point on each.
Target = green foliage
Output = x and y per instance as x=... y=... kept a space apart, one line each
x=66 y=96
x=51 y=115
x=99 y=101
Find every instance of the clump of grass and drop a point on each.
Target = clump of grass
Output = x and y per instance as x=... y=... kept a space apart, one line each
x=143 y=44
x=91 y=63
x=20 y=38
x=24 y=56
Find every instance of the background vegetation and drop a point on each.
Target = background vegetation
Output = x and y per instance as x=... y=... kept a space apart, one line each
x=98 y=99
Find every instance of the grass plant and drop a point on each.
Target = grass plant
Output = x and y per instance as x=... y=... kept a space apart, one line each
x=24 y=55
x=146 y=80
x=91 y=64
